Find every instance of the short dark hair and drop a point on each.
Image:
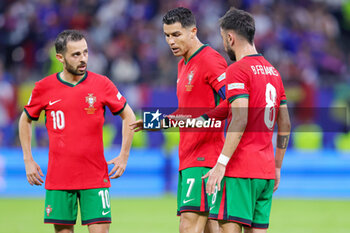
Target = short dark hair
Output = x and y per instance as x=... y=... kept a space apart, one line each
x=181 y=15
x=239 y=21
x=65 y=36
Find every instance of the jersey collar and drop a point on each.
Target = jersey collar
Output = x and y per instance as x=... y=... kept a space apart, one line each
x=195 y=53
x=70 y=84
x=254 y=55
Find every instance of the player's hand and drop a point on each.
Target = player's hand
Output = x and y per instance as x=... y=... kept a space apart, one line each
x=33 y=172
x=215 y=177
x=119 y=166
x=277 y=179
x=137 y=126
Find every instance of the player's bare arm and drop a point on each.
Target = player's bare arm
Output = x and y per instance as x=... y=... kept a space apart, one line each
x=33 y=170
x=120 y=161
x=235 y=131
x=283 y=123
x=220 y=112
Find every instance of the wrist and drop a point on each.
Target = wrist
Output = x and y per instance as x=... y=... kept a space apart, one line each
x=223 y=159
x=27 y=158
x=124 y=154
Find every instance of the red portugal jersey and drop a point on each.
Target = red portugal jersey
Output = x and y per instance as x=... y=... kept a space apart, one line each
x=199 y=81
x=74 y=119
x=256 y=79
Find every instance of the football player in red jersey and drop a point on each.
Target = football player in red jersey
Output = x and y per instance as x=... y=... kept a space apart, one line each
x=74 y=102
x=200 y=86
x=247 y=172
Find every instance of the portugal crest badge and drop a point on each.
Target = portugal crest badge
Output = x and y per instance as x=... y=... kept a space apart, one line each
x=189 y=86
x=90 y=99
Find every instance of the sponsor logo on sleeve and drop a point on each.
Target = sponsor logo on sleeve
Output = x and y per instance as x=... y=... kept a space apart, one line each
x=221 y=77
x=119 y=96
x=232 y=86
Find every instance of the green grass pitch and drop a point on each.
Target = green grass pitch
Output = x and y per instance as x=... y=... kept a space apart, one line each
x=158 y=215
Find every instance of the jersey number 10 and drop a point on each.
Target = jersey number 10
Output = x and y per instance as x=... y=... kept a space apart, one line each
x=58 y=119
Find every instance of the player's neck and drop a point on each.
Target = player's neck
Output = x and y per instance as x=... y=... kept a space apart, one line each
x=197 y=44
x=245 y=50
x=70 y=78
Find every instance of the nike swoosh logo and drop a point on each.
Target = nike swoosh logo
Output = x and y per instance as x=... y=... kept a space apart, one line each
x=211 y=208
x=185 y=201
x=104 y=213
x=51 y=103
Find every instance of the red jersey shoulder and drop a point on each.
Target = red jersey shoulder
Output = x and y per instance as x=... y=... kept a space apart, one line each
x=210 y=53
x=98 y=77
x=244 y=65
x=95 y=75
x=46 y=82
x=260 y=66
x=237 y=68
x=211 y=57
x=100 y=80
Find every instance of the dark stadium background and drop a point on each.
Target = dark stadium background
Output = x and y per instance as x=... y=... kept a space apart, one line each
x=307 y=41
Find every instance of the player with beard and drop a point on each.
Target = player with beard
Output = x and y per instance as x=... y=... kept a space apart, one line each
x=74 y=102
x=247 y=171
x=200 y=87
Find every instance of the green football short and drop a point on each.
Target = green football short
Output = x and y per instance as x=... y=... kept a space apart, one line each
x=191 y=194
x=243 y=200
x=61 y=206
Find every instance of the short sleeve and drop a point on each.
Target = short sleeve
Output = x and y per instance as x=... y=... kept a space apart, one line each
x=34 y=105
x=237 y=83
x=216 y=72
x=283 y=95
x=113 y=98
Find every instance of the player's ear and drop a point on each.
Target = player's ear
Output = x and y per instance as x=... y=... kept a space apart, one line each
x=231 y=38
x=60 y=57
x=193 y=32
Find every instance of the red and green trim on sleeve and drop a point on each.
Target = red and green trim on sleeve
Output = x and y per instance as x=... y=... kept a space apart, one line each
x=233 y=98
x=31 y=117
x=120 y=111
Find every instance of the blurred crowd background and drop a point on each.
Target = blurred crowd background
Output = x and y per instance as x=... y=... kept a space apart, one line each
x=307 y=41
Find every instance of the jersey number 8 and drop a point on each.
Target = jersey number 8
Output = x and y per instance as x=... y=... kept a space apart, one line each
x=270 y=111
